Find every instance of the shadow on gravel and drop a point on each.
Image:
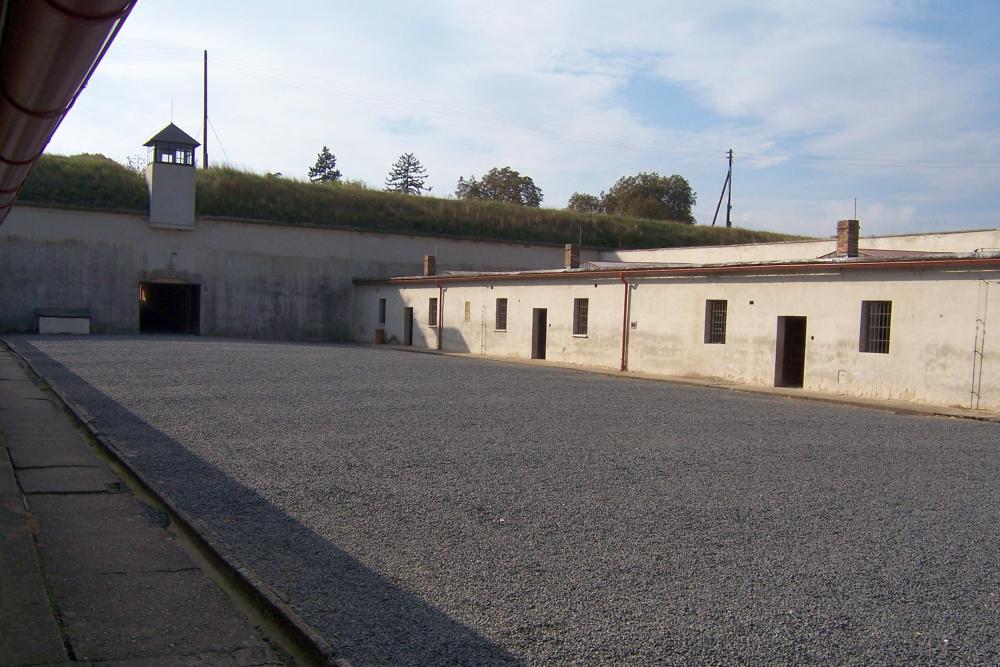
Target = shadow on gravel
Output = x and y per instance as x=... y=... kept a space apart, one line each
x=364 y=616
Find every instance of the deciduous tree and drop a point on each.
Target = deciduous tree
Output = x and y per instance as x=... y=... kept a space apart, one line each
x=505 y=185
x=407 y=176
x=649 y=195
x=325 y=169
x=581 y=202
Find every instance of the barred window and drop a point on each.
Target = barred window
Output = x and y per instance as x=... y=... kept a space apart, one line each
x=715 y=321
x=501 y=318
x=580 y=312
x=876 y=318
x=432 y=312
x=381 y=312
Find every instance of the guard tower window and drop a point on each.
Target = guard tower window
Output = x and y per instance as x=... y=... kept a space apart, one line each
x=172 y=145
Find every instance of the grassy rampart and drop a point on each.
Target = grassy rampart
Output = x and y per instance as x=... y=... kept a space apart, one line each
x=94 y=181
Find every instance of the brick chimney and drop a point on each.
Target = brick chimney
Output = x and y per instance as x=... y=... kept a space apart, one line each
x=430 y=265
x=847 y=238
x=571 y=256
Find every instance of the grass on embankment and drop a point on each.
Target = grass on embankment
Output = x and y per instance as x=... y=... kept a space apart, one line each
x=94 y=181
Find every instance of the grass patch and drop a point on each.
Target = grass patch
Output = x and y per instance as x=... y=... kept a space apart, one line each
x=88 y=180
x=95 y=181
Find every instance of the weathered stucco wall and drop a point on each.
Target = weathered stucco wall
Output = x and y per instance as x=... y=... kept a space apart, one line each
x=257 y=280
x=930 y=356
x=789 y=250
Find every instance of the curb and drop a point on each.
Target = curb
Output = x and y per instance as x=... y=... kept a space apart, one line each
x=305 y=637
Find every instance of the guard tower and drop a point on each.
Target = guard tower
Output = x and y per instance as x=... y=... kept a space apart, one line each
x=170 y=176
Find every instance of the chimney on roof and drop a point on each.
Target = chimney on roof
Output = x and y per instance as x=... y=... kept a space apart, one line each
x=847 y=238
x=430 y=265
x=571 y=256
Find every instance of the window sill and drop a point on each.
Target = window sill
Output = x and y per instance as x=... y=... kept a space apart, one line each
x=580 y=336
x=499 y=331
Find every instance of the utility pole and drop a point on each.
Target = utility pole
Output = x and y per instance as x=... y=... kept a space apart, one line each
x=204 y=122
x=726 y=187
x=729 y=201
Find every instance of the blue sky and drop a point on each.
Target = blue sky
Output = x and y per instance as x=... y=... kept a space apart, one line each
x=893 y=103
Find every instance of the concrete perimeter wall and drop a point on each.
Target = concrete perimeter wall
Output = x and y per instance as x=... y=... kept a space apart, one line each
x=965 y=242
x=257 y=280
x=932 y=336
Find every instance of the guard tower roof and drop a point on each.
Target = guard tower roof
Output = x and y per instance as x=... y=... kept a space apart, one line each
x=172 y=134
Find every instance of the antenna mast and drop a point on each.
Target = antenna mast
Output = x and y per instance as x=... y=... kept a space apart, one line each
x=204 y=121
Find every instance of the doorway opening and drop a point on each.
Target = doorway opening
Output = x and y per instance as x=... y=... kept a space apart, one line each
x=539 y=325
x=169 y=308
x=790 y=352
x=407 y=326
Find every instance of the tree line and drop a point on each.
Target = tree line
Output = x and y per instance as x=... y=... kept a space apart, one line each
x=645 y=195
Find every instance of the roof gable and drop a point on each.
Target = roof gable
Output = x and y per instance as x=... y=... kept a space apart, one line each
x=173 y=135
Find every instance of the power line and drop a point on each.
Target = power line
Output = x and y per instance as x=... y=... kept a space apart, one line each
x=216 y=135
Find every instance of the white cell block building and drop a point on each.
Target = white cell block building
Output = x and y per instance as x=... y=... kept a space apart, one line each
x=881 y=322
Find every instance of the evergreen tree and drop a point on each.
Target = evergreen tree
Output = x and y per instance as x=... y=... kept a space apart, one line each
x=407 y=176
x=325 y=169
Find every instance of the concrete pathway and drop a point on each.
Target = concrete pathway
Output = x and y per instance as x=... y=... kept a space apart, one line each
x=89 y=574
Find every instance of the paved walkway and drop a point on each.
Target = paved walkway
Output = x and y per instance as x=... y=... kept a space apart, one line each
x=88 y=573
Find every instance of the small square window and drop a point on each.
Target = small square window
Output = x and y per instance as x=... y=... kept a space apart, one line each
x=715 y=321
x=501 y=316
x=432 y=312
x=876 y=319
x=381 y=312
x=580 y=312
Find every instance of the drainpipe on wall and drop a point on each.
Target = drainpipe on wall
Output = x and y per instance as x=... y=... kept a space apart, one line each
x=625 y=309
x=440 y=314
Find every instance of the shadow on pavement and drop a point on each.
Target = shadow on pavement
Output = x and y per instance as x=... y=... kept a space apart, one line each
x=365 y=617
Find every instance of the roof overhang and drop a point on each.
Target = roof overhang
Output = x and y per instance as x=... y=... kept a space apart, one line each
x=754 y=268
x=49 y=49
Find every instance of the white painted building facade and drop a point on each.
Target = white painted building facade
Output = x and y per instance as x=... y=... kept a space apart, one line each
x=900 y=327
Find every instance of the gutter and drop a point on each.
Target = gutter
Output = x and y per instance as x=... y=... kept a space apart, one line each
x=50 y=50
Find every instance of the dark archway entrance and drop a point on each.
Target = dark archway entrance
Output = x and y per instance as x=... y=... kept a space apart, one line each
x=169 y=308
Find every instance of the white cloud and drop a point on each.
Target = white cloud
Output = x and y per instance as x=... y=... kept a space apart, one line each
x=541 y=87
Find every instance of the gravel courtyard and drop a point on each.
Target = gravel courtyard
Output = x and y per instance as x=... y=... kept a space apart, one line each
x=426 y=510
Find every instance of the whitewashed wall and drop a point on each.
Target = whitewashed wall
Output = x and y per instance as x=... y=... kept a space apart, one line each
x=930 y=360
x=791 y=250
x=258 y=280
